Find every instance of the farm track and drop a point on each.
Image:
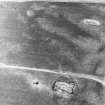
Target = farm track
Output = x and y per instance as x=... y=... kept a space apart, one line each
x=77 y=75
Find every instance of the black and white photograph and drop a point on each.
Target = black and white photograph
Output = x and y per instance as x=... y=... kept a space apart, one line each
x=52 y=52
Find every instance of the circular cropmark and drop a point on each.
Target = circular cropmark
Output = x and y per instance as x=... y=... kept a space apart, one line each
x=65 y=87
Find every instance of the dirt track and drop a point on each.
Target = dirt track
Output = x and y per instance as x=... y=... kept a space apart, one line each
x=52 y=38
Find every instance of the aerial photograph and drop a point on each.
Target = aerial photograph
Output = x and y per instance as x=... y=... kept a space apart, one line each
x=52 y=53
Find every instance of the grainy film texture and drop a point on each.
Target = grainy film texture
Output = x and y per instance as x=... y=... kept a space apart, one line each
x=52 y=53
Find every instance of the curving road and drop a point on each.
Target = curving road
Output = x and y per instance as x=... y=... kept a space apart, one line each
x=40 y=41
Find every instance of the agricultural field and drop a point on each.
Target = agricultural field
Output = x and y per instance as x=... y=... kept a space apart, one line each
x=52 y=53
